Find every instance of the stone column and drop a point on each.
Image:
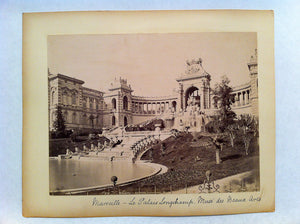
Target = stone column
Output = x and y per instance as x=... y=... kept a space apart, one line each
x=236 y=100
x=203 y=96
x=239 y=98
x=248 y=96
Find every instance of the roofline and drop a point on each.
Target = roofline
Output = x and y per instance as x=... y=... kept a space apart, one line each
x=52 y=76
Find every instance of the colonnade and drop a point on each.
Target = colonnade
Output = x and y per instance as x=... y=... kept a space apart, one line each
x=153 y=107
x=241 y=98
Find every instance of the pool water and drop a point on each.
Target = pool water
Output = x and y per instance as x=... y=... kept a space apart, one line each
x=72 y=174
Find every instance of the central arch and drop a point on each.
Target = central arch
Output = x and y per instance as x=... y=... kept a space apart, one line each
x=192 y=96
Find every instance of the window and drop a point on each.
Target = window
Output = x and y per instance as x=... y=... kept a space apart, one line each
x=66 y=116
x=64 y=98
x=113 y=121
x=91 y=103
x=125 y=103
x=114 y=103
x=74 y=99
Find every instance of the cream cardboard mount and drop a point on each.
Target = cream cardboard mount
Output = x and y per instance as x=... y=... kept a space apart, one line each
x=137 y=90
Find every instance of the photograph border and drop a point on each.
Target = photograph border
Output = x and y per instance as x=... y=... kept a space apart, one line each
x=35 y=105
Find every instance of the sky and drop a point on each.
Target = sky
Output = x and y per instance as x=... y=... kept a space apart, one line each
x=150 y=62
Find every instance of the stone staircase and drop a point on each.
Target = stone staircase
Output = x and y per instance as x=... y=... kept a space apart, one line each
x=124 y=150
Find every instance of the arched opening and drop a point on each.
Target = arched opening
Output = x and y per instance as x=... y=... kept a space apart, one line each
x=114 y=103
x=113 y=121
x=174 y=105
x=192 y=97
x=125 y=121
x=125 y=103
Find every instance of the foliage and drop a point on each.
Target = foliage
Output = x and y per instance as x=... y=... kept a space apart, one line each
x=215 y=125
x=59 y=126
x=232 y=131
x=59 y=122
x=248 y=126
x=222 y=93
x=223 y=101
x=218 y=141
x=224 y=118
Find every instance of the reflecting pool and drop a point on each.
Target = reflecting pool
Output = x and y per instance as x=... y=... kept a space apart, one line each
x=71 y=174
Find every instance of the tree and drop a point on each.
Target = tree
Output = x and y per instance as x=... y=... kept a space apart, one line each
x=218 y=139
x=59 y=122
x=223 y=95
x=248 y=126
x=224 y=116
x=218 y=143
x=232 y=131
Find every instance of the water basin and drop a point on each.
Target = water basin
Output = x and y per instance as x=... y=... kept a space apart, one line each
x=84 y=173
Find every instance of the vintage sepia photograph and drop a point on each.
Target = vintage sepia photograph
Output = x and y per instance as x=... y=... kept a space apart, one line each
x=170 y=113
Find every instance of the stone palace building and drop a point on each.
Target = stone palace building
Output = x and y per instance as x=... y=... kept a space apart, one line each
x=84 y=108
